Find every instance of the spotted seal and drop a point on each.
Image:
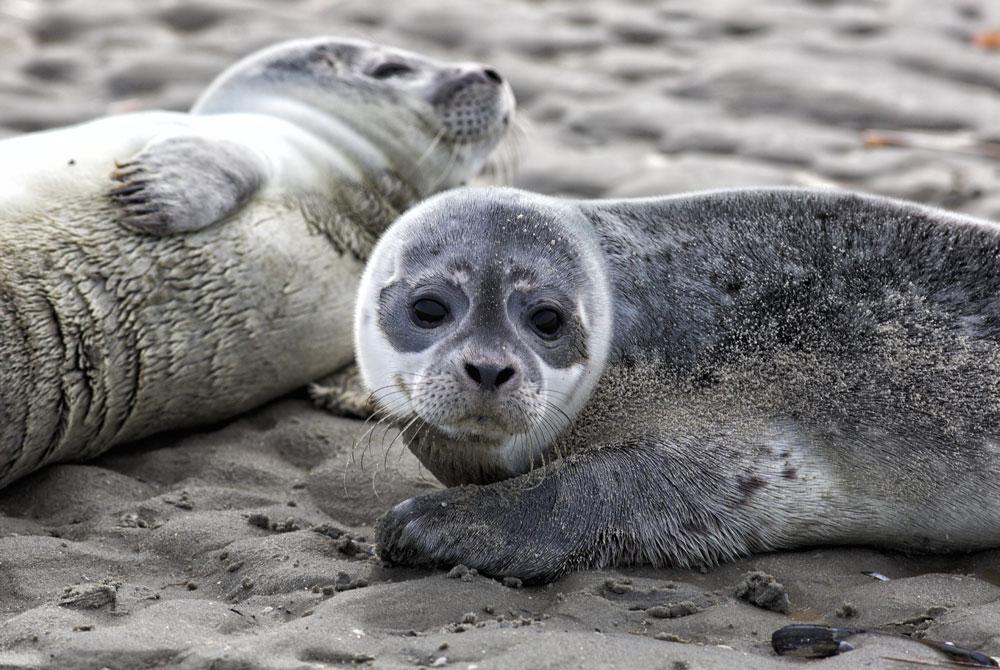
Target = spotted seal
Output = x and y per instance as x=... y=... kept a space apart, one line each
x=685 y=380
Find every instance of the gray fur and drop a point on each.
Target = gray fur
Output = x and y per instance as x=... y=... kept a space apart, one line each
x=786 y=368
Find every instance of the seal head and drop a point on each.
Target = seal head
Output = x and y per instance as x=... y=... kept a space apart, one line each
x=380 y=101
x=340 y=128
x=491 y=345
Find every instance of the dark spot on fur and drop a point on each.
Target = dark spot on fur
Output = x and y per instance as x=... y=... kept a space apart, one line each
x=749 y=485
x=789 y=472
x=785 y=454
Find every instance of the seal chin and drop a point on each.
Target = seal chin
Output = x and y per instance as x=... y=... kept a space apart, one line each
x=481 y=428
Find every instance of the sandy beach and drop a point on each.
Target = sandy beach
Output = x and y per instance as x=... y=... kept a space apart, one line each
x=247 y=545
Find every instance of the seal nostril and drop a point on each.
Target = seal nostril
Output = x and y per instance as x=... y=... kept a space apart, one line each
x=504 y=376
x=493 y=75
x=473 y=373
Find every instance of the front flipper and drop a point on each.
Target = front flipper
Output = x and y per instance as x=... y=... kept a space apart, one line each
x=612 y=506
x=185 y=183
x=343 y=393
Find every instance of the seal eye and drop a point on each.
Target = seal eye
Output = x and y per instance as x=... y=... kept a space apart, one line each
x=428 y=313
x=546 y=321
x=389 y=69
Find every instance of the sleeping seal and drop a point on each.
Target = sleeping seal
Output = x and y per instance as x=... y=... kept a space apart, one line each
x=160 y=270
x=685 y=380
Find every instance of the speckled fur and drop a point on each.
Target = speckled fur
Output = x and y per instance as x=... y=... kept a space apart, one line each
x=787 y=368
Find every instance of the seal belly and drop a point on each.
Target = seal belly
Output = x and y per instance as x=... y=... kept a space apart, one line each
x=259 y=298
x=109 y=335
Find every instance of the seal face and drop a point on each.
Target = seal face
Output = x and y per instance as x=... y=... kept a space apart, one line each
x=216 y=268
x=436 y=121
x=496 y=342
x=744 y=371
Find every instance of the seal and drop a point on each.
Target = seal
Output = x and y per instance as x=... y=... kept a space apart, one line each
x=163 y=270
x=685 y=380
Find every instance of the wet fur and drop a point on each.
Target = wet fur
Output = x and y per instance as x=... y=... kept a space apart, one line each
x=787 y=368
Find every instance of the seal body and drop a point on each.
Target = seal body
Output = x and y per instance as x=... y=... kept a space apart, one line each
x=753 y=370
x=161 y=270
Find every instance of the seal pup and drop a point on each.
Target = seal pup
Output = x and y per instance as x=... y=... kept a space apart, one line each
x=685 y=380
x=162 y=270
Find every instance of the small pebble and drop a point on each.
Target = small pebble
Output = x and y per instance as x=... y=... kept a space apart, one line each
x=764 y=591
x=846 y=611
x=259 y=520
x=673 y=611
x=458 y=572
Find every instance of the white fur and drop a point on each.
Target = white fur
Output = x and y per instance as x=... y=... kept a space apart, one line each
x=111 y=335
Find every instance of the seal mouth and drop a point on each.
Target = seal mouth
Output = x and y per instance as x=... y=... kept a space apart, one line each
x=482 y=425
x=479 y=423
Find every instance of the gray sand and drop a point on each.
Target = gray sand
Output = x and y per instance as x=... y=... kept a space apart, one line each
x=245 y=546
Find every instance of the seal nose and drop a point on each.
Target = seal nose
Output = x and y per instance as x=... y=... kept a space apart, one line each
x=492 y=75
x=489 y=377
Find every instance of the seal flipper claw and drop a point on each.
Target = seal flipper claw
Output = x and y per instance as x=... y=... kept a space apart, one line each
x=183 y=184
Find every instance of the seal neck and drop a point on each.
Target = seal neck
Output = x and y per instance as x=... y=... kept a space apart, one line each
x=456 y=462
x=354 y=213
x=365 y=149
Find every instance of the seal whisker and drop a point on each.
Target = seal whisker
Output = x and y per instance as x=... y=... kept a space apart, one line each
x=433 y=145
x=422 y=428
x=386 y=421
x=399 y=436
x=559 y=410
x=382 y=415
x=551 y=439
x=385 y=457
x=449 y=164
x=532 y=449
